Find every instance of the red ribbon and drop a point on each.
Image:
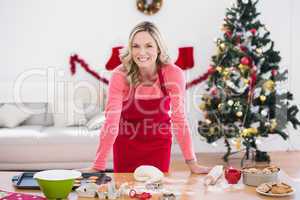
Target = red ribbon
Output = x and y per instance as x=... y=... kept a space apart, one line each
x=75 y=59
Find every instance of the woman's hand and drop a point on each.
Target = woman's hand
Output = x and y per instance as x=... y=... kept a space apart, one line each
x=198 y=169
x=88 y=170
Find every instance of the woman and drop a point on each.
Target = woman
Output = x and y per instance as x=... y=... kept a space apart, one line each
x=140 y=94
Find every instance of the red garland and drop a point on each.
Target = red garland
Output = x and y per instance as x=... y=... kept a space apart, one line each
x=75 y=59
x=202 y=78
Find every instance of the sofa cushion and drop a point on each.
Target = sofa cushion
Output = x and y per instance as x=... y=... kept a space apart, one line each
x=11 y=115
x=68 y=113
x=96 y=122
x=40 y=115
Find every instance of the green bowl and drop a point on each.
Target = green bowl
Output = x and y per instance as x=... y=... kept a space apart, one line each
x=56 y=184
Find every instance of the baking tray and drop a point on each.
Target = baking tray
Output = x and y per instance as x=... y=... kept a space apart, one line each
x=26 y=181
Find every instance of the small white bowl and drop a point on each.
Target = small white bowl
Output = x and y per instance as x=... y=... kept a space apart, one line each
x=255 y=179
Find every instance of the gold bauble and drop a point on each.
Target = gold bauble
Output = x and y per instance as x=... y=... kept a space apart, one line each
x=222 y=46
x=219 y=69
x=226 y=71
x=202 y=106
x=259 y=51
x=269 y=85
x=225 y=28
x=273 y=124
x=243 y=67
x=246 y=81
x=220 y=106
x=239 y=113
x=249 y=132
x=262 y=98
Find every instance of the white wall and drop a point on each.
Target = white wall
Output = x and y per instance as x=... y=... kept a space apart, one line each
x=41 y=34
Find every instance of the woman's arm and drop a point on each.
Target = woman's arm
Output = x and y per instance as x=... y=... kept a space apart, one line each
x=113 y=109
x=175 y=84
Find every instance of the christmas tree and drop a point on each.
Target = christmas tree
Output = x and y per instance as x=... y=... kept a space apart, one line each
x=241 y=102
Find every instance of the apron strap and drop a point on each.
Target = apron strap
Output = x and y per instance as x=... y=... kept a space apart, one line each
x=162 y=82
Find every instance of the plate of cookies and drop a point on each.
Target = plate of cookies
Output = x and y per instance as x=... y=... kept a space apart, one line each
x=275 y=189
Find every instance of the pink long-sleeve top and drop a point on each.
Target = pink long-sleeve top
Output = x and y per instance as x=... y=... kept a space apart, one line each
x=118 y=91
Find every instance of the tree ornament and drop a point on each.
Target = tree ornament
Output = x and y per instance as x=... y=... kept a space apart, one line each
x=245 y=60
x=222 y=46
x=262 y=98
x=274 y=72
x=243 y=68
x=264 y=112
x=230 y=102
x=208 y=121
x=220 y=106
x=249 y=132
x=219 y=69
x=269 y=85
x=226 y=72
x=259 y=51
x=273 y=124
x=213 y=91
x=202 y=106
x=238 y=39
x=239 y=114
x=253 y=31
x=228 y=34
x=243 y=48
x=225 y=28
x=267 y=124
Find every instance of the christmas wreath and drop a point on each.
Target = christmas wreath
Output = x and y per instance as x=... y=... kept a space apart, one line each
x=149 y=7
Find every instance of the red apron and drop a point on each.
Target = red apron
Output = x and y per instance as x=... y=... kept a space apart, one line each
x=144 y=136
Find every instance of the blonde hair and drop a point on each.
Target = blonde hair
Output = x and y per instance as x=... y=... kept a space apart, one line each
x=126 y=56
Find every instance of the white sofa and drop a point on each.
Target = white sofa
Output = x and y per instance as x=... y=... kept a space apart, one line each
x=38 y=144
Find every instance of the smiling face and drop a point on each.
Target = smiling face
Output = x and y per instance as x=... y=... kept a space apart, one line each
x=144 y=50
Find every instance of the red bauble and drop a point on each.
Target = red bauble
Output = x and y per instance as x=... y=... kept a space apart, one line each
x=245 y=60
x=274 y=72
x=253 y=31
x=243 y=48
x=238 y=39
x=228 y=34
x=213 y=91
x=211 y=70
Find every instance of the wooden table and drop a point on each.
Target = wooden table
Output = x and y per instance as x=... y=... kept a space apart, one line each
x=190 y=186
